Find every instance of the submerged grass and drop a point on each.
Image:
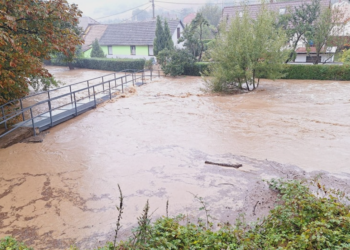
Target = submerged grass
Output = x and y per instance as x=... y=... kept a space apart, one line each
x=309 y=216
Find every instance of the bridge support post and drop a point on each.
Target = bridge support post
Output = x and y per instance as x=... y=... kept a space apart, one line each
x=110 y=92
x=20 y=101
x=93 y=89
x=31 y=117
x=3 y=117
x=75 y=103
x=71 y=98
x=88 y=88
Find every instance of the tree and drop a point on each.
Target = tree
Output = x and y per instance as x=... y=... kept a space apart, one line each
x=247 y=50
x=168 y=41
x=299 y=21
x=96 y=50
x=346 y=57
x=193 y=36
x=159 y=39
x=212 y=13
x=29 y=32
x=328 y=24
x=163 y=38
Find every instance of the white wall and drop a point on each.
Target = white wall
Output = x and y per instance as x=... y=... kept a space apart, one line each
x=174 y=37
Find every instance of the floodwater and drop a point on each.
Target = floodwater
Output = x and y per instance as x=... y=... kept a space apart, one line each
x=154 y=144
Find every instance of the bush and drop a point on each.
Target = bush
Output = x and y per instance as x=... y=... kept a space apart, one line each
x=174 y=62
x=105 y=64
x=196 y=69
x=9 y=243
x=317 y=72
x=346 y=56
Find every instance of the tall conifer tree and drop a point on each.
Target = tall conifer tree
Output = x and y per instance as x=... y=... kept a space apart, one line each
x=158 y=41
x=168 y=42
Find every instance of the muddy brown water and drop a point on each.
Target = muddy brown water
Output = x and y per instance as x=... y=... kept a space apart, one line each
x=154 y=144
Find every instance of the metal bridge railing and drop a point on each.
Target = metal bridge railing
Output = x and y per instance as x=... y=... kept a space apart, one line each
x=105 y=88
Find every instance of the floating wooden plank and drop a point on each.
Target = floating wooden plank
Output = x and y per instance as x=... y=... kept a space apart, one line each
x=224 y=164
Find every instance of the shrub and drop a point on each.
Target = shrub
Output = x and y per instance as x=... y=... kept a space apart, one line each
x=317 y=72
x=174 y=62
x=105 y=64
x=196 y=69
x=346 y=57
x=9 y=243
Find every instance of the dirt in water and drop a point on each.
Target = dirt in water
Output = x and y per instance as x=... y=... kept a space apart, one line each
x=154 y=144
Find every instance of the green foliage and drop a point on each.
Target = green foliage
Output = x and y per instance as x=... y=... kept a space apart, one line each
x=39 y=83
x=168 y=42
x=317 y=72
x=9 y=243
x=149 y=64
x=196 y=69
x=174 y=62
x=192 y=36
x=299 y=20
x=163 y=38
x=346 y=57
x=159 y=39
x=246 y=50
x=96 y=51
x=106 y=64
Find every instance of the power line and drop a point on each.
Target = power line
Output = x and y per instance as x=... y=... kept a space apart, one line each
x=122 y=11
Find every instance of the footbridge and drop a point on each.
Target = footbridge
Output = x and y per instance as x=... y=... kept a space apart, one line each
x=41 y=111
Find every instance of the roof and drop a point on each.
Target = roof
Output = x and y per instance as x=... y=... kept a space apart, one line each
x=136 y=33
x=85 y=21
x=312 y=50
x=93 y=32
x=188 y=19
x=231 y=11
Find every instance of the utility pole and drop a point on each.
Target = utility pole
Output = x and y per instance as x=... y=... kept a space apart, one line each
x=153 y=8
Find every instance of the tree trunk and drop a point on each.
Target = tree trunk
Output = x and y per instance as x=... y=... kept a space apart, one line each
x=294 y=47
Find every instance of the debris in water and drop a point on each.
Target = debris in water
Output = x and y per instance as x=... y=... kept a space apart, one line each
x=224 y=164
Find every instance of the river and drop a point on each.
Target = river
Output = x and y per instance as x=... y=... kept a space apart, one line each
x=154 y=144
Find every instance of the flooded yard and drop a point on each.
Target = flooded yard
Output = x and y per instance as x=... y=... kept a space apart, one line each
x=154 y=144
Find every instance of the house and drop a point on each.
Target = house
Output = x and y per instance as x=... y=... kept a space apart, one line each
x=309 y=55
x=344 y=16
x=135 y=39
x=91 y=33
x=85 y=21
x=188 y=19
x=228 y=13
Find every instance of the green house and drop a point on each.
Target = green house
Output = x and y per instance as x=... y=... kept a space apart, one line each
x=130 y=40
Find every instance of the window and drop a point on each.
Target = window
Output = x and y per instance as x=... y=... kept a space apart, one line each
x=282 y=11
x=312 y=59
x=133 y=50
x=150 y=50
x=178 y=33
x=110 y=50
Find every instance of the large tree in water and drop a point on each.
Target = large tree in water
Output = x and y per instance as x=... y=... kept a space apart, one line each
x=247 y=50
x=31 y=30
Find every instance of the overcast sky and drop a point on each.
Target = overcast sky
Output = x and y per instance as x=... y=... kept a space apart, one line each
x=102 y=8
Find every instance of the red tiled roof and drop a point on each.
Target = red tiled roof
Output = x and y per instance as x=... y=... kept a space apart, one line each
x=188 y=19
x=253 y=10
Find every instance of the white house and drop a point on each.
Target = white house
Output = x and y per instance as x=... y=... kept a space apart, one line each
x=304 y=56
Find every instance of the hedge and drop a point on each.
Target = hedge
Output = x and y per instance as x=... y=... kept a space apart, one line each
x=103 y=64
x=293 y=71
x=196 y=69
x=317 y=72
